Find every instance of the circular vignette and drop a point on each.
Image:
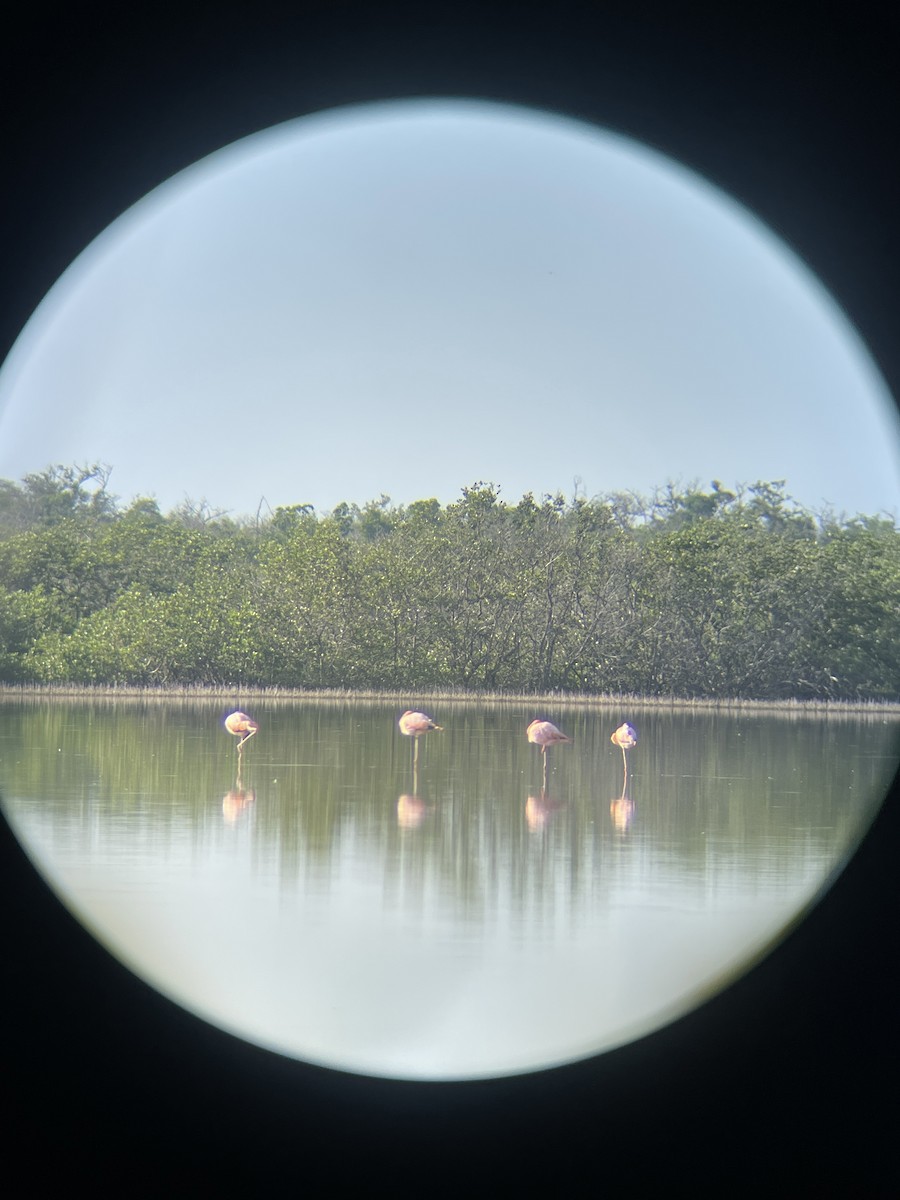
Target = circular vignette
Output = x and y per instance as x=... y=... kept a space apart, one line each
x=796 y=123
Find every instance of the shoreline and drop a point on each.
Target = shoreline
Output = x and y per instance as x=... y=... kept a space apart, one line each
x=561 y=700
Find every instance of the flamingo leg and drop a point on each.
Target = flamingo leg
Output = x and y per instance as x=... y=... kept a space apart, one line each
x=415 y=753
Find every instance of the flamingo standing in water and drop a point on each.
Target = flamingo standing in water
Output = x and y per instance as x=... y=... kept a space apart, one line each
x=241 y=726
x=625 y=738
x=414 y=724
x=545 y=734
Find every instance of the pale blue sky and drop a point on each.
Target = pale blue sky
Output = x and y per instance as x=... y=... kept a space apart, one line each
x=407 y=298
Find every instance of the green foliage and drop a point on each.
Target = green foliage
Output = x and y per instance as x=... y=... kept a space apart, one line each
x=688 y=592
x=286 y=521
x=24 y=618
x=56 y=494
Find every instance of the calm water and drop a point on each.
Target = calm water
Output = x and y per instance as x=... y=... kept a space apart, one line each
x=332 y=905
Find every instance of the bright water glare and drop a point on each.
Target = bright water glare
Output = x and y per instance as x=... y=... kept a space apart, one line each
x=331 y=902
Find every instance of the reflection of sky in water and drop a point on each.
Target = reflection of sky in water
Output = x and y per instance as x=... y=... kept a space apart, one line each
x=511 y=989
x=472 y=942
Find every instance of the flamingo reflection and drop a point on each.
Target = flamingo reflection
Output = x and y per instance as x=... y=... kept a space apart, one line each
x=235 y=801
x=411 y=811
x=539 y=810
x=621 y=811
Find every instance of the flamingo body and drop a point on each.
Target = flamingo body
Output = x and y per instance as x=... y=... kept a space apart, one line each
x=625 y=737
x=414 y=724
x=241 y=726
x=544 y=734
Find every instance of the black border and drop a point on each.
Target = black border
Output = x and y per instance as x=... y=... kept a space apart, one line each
x=783 y=1081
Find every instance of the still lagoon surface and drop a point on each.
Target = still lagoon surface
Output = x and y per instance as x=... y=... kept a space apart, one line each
x=460 y=920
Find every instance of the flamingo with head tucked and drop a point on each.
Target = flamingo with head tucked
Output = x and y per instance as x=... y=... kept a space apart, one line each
x=625 y=738
x=414 y=725
x=545 y=734
x=241 y=726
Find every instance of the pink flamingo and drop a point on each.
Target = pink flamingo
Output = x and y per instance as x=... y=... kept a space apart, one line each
x=241 y=726
x=414 y=725
x=544 y=734
x=625 y=738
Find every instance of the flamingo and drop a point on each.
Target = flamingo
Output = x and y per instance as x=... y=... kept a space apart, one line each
x=241 y=726
x=625 y=738
x=544 y=734
x=414 y=725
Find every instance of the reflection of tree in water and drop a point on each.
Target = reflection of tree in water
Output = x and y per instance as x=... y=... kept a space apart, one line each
x=774 y=795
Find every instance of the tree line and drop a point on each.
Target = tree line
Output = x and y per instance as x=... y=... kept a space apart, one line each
x=685 y=592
